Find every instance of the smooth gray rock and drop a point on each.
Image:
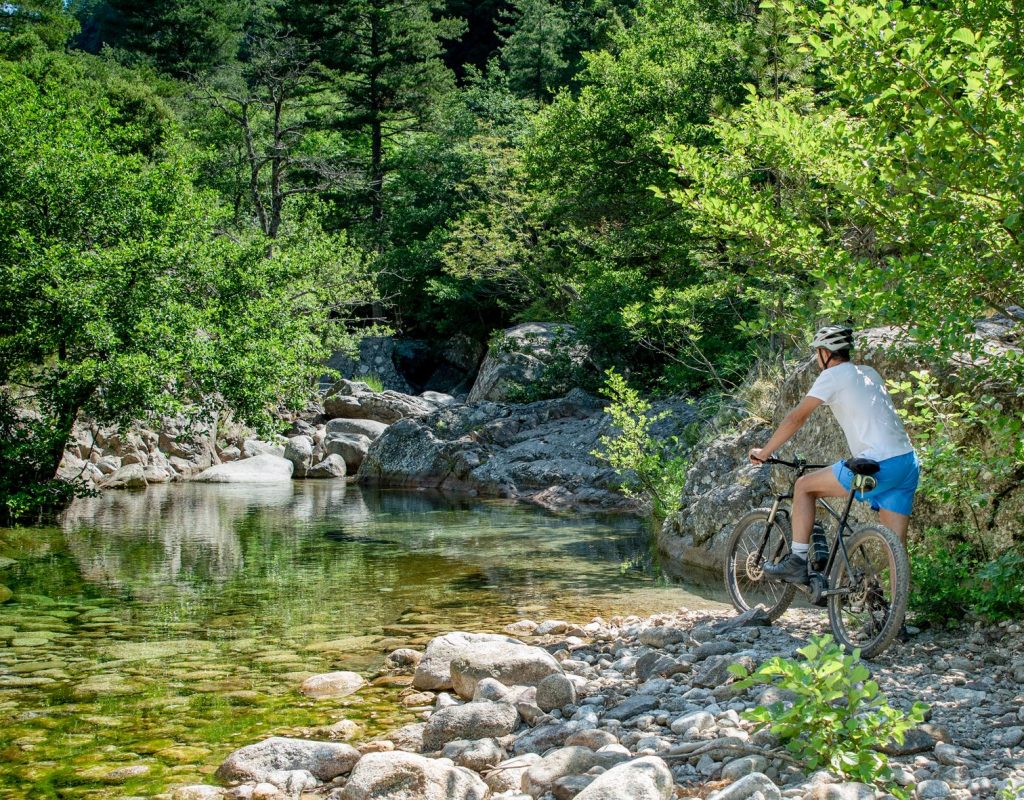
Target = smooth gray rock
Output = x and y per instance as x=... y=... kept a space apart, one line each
x=477 y=755
x=661 y=637
x=331 y=467
x=406 y=776
x=324 y=760
x=519 y=358
x=299 y=451
x=263 y=468
x=434 y=670
x=130 y=476
x=632 y=707
x=747 y=786
x=565 y=761
x=352 y=447
x=508 y=776
x=469 y=721
x=512 y=664
x=646 y=778
x=332 y=684
x=356 y=427
x=555 y=691
x=355 y=400
x=931 y=790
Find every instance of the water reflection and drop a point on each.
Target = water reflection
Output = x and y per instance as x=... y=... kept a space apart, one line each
x=184 y=618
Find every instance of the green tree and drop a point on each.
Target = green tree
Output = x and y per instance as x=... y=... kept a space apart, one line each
x=119 y=299
x=48 y=21
x=534 y=44
x=180 y=37
x=384 y=57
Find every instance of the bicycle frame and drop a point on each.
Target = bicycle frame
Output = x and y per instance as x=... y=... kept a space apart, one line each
x=843 y=528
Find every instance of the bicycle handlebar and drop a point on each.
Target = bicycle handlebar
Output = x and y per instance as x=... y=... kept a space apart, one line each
x=798 y=464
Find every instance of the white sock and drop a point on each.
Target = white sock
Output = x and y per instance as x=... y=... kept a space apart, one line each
x=801 y=549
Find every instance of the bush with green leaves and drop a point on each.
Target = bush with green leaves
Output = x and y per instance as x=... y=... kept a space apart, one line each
x=652 y=470
x=838 y=719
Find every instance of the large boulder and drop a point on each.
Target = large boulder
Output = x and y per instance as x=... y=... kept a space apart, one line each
x=356 y=427
x=476 y=720
x=263 y=468
x=540 y=451
x=299 y=451
x=563 y=762
x=355 y=400
x=256 y=762
x=433 y=672
x=377 y=357
x=512 y=664
x=397 y=775
x=351 y=447
x=518 y=356
x=332 y=466
x=130 y=476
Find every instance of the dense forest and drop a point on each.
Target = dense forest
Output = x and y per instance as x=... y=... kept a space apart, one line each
x=200 y=200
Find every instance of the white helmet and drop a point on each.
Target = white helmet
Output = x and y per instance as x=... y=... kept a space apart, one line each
x=834 y=338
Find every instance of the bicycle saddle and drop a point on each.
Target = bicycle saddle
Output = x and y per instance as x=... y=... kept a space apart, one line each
x=863 y=466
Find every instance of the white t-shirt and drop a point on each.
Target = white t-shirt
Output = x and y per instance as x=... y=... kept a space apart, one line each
x=857 y=396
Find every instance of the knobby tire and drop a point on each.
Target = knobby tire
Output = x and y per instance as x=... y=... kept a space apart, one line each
x=871 y=616
x=747 y=586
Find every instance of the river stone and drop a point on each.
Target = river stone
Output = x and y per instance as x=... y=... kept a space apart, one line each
x=469 y=721
x=476 y=755
x=840 y=791
x=369 y=428
x=555 y=691
x=594 y=738
x=299 y=451
x=406 y=776
x=701 y=720
x=109 y=685
x=352 y=447
x=508 y=776
x=434 y=670
x=196 y=792
x=512 y=664
x=262 y=468
x=332 y=684
x=739 y=767
x=254 y=447
x=747 y=786
x=131 y=477
x=646 y=778
x=661 y=637
x=331 y=467
x=5 y=594
x=931 y=790
x=565 y=761
x=254 y=763
x=633 y=707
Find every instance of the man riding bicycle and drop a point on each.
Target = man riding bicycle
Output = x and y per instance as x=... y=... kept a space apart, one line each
x=862 y=407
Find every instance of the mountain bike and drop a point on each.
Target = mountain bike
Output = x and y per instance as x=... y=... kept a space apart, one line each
x=862 y=574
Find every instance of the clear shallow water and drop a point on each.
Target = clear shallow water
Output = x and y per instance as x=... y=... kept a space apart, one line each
x=164 y=629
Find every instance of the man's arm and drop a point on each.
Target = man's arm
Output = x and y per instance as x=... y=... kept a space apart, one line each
x=787 y=428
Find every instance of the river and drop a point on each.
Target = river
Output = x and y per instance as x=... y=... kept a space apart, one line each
x=152 y=633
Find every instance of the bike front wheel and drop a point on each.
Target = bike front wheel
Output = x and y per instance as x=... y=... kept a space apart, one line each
x=870 y=599
x=752 y=542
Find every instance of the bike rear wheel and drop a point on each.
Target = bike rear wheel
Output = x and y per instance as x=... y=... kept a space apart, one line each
x=748 y=586
x=872 y=601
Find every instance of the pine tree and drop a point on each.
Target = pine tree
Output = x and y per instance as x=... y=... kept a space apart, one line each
x=385 y=57
x=534 y=47
x=181 y=37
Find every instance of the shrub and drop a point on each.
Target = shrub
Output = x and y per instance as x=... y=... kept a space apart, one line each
x=839 y=718
x=649 y=469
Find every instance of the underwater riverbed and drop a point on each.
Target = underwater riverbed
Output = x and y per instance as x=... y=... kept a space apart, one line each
x=152 y=634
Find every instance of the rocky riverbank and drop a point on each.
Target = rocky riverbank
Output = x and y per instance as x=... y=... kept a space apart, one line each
x=641 y=709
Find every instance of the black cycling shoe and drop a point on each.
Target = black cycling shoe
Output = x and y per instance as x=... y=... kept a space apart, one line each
x=791 y=569
x=903 y=635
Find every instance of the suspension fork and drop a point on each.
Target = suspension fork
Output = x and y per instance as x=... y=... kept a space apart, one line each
x=775 y=510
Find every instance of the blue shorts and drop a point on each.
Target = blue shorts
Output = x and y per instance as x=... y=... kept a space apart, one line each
x=897 y=482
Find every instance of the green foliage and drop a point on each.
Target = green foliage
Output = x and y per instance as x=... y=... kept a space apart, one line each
x=534 y=47
x=953 y=579
x=650 y=469
x=120 y=298
x=838 y=718
x=375 y=383
x=971 y=447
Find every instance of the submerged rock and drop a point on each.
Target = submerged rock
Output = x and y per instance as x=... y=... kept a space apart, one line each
x=256 y=762
x=262 y=468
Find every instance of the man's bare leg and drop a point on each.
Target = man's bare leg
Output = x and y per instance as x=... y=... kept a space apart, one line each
x=897 y=523
x=807 y=490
